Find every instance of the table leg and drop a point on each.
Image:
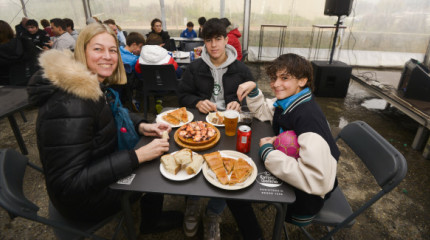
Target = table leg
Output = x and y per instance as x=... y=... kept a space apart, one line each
x=279 y=220
x=17 y=134
x=125 y=204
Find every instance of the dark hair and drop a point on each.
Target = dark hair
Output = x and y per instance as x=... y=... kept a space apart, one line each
x=214 y=27
x=6 y=32
x=202 y=20
x=154 y=39
x=59 y=23
x=109 y=21
x=69 y=23
x=32 y=22
x=226 y=22
x=44 y=23
x=190 y=24
x=134 y=37
x=155 y=20
x=293 y=64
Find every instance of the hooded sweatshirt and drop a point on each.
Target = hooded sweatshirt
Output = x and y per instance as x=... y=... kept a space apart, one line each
x=154 y=55
x=217 y=73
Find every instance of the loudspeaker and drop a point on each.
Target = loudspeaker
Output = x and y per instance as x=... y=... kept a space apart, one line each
x=337 y=7
x=415 y=81
x=331 y=80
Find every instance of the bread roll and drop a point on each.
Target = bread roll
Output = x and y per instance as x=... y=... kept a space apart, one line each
x=165 y=135
x=184 y=156
x=195 y=165
x=170 y=164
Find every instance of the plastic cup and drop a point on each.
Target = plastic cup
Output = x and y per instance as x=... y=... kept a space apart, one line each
x=231 y=118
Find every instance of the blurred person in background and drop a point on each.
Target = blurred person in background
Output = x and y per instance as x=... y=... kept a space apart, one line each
x=157 y=28
x=63 y=39
x=39 y=37
x=47 y=27
x=189 y=31
x=202 y=21
x=233 y=35
x=20 y=28
x=119 y=34
x=71 y=28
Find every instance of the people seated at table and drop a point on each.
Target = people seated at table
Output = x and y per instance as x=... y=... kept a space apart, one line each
x=313 y=174
x=47 y=27
x=233 y=35
x=157 y=28
x=63 y=39
x=37 y=36
x=70 y=26
x=120 y=35
x=131 y=52
x=18 y=57
x=153 y=54
x=201 y=21
x=189 y=31
x=210 y=83
x=77 y=136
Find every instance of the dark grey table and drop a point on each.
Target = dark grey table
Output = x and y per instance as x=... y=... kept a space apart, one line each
x=266 y=188
x=14 y=99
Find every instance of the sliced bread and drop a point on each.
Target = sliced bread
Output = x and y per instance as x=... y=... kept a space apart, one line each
x=184 y=156
x=170 y=164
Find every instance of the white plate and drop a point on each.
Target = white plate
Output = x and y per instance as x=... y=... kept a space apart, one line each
x=180 y=54
x=218 y=125
x=182 y=175
x=159 y=118
x=210 y=176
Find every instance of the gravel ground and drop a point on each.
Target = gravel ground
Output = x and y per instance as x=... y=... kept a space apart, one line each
x=401 y=214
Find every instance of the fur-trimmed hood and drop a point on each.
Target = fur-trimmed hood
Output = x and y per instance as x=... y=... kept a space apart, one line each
x=61 y=71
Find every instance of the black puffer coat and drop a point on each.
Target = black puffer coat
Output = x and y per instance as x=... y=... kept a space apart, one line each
x=76 y=137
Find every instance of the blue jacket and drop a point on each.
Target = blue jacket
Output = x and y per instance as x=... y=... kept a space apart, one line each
x=128 y=57
x=187 y=34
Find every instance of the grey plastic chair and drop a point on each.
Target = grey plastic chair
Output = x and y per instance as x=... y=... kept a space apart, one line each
x=244 y=55
x=13 y=200
x=387 y=165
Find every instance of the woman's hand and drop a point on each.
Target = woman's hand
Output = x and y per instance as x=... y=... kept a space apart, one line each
x=233 y=106
x=244 y=89
x=152 y=150
x=205 y=106
x=154 y=129
x=266 y=140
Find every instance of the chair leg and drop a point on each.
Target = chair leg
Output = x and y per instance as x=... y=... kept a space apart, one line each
x=285 y=231
x=23 y=116
x=308 y=235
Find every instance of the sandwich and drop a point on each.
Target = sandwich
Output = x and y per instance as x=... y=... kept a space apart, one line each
x=195 y=165
x=184 y=156
x=228 y=164
x=215 y=163
x=170 y=164
x=170 y=119
x=241 y=171
x=180 y=114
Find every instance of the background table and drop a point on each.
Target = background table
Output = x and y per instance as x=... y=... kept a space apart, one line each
x=12 y=100
x=149 y=179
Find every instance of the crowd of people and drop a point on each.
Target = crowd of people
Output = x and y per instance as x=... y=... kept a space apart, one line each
x=69 y=72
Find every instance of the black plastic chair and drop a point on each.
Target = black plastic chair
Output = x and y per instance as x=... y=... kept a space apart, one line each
x=189 y=46
x=157 y=80
x=13 y=200
x=387 y=165
x=244 y=55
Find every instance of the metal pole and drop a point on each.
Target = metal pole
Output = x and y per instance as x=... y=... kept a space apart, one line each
x=334 y=39
x=222 y=8
x=86 y=9
x=163 y=14
x=246 y=20
x=24 y=10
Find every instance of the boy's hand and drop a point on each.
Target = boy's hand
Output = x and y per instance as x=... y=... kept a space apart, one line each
x=233 y=106
x=244 y=89
x=205 y=106
x=266 y=140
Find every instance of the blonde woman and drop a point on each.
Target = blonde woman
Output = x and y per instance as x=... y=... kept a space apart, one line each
x=77 y=136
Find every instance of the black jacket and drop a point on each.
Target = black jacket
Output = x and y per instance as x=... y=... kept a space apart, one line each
x=198 y=84
x=76 y=138
x=40 y=38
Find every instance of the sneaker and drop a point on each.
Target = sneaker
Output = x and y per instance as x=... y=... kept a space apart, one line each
x=211 y=226
x=191 y=217
x=159 y=106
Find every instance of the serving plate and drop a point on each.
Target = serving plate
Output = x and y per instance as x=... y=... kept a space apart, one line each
x=182 y=175
x=160 y=119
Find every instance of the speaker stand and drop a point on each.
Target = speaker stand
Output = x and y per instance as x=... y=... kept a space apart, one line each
x=334 y=39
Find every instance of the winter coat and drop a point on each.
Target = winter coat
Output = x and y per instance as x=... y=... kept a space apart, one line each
x=76 y=138
x=233 y=39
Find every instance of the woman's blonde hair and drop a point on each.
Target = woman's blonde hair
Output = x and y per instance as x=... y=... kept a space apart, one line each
x=85 y=36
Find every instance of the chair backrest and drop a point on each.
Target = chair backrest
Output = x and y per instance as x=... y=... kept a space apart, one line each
x=172 y=44
x=159 y=78
x=189 y=46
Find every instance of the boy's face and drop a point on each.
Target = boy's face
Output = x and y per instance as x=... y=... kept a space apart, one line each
x=286 y=85
x=190 y=29
x=32 y=29
x=135 y=48
x=216 y=47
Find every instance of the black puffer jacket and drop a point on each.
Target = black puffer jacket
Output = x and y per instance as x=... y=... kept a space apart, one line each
x=76 y=137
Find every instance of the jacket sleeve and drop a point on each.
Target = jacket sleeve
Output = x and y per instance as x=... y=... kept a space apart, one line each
x=187 y=90
x=314 y=172
x=262 y=108
x=242 y=74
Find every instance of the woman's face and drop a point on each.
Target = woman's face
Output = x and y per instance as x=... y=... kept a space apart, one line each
x=102 y=55
x=157 y=27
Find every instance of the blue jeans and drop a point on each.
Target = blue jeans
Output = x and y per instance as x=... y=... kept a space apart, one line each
x=215 y=205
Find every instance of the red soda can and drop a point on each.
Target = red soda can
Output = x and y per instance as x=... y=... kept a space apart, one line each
x=243 y=141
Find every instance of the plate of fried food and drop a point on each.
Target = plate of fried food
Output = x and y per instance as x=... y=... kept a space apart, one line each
x=176 y=117
x=215 y=118
x=197 y=136
x=181 y=165
x=230 y=170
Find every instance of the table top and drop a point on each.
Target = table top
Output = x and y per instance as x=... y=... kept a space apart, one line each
x=12 y=99
x=182 y=39
x=266 y=188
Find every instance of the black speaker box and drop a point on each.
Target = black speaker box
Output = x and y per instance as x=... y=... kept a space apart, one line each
x=337 y=7
x=331 y=80
x=415 y=81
